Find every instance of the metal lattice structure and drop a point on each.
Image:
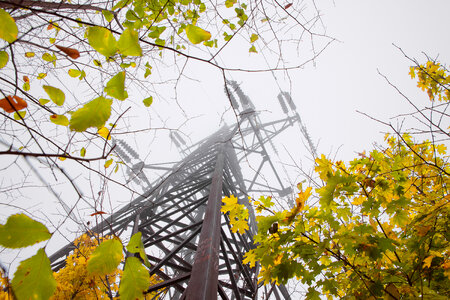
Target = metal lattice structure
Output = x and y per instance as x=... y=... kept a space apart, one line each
x=186 y=238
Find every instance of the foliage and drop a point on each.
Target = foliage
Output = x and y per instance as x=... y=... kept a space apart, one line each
x=22 y=231
x=85 y=277
x=237 y=212
x=90 y=272
x=378 y=226
x=33 y=278
x=433 y=78
x=75 y=281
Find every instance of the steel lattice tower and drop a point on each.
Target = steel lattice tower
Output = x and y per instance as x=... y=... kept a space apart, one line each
x=186 y=238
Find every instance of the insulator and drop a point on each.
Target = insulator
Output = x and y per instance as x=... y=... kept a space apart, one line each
x=282 y=104
x=129 y=149
x=242 y=97
x=289 y=100
x=178 y=136
x=174 y=140
x=122 y=153
x=234 y=103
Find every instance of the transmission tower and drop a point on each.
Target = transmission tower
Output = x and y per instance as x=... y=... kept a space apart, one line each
x=186 y=238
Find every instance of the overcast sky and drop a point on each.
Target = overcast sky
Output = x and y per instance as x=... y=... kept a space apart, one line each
x=344 y=79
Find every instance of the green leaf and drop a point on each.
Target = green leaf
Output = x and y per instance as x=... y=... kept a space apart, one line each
x=102 y=40
x=26 y=86
x=197 y=35
x=148 y=101
x=34 y=278
x=97 y=63
x=312 y=294
x=121 y=4
x=22 y=231
x=55 y=94
x=105 y=258
x=83 y=152
x=156 y=31
x=43 y=101
x=4 y=57
x=230 y=3
x=82 y=75
x=253 y=38
x=93 y=114
x=19 y=115
x=148 y=72
x=49 y=57
x=136 y=246
x=116 y=87
x=252 y=49
x=135 y=280
x=74 y=73
x=59 y=120
x=129 y=43
x=8 y=29
x=108 y=15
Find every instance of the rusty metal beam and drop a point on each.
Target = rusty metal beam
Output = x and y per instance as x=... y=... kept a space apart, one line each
x=203 y=284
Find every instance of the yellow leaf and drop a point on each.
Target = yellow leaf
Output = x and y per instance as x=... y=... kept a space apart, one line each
x=412 y=72
x=441 y=149
x=229 y=203
x=427 y=261
x=104 y=132
x=358 y=200
x=41 y=76
x=108 y=162
x=241 y=226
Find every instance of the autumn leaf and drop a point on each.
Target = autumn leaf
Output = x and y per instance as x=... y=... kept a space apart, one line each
x=108 y=163
x=12 y=103
x=97 y=213
x=427 y=261
x=104 y=132
x=239 y=226
x=72 y=53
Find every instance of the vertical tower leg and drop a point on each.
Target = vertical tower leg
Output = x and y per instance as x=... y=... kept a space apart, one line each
x=203 y=283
